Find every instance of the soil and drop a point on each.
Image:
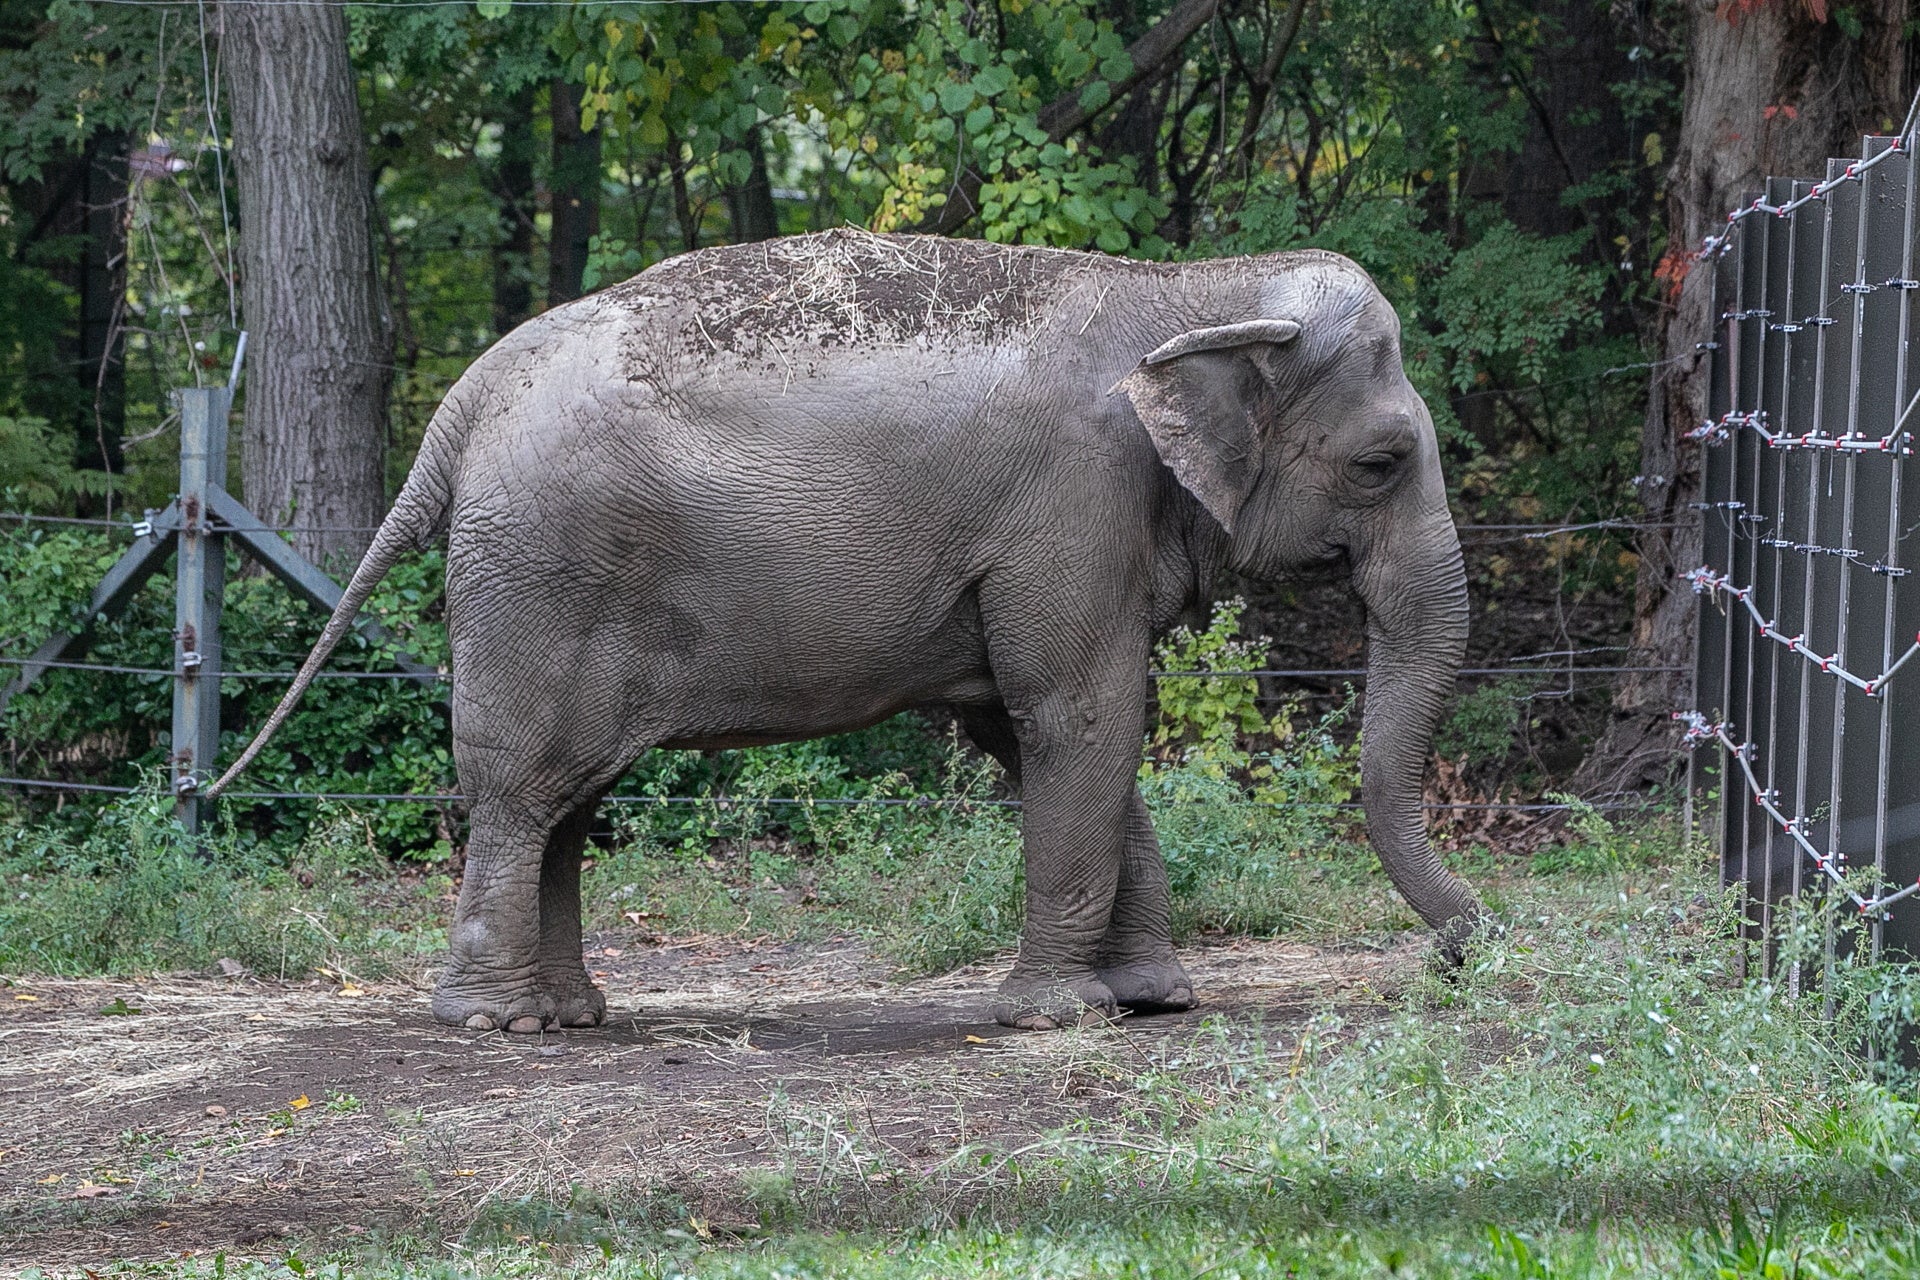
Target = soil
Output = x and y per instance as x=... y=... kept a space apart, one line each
x=190 y=1114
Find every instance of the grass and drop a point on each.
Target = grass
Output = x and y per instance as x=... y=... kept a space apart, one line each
x=1596 y=1094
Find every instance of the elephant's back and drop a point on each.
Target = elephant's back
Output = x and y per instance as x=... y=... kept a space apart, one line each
x=851 y=289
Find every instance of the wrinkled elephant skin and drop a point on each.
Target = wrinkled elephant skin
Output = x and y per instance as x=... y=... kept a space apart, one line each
x=776 y=491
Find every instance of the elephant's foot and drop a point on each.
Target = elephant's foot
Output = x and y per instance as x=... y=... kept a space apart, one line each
x=1150 y=985
x=577 y=1002
x=519 y=1009
x=1039 y=1001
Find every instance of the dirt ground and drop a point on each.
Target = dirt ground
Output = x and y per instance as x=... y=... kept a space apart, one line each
x=194 y=1113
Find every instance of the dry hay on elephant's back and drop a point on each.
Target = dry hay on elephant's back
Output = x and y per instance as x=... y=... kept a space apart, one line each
x=852 y=288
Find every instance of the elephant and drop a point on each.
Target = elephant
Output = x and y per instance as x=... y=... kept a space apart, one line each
x=779 y=490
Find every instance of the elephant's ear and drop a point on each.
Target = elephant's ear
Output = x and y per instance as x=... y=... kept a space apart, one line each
x=1200 y=424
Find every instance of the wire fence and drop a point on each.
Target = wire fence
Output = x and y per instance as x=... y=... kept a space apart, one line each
x=1804 y=739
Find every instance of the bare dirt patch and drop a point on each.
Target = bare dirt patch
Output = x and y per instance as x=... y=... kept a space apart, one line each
x=187 y=1113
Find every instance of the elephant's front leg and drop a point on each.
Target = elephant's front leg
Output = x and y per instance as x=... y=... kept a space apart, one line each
x=1136 y=959
x=1078 y=755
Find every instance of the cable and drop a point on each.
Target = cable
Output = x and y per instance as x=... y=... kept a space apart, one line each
x=1465 y=530
x=1699 y=730
x=1299 y=673
x=844 y=802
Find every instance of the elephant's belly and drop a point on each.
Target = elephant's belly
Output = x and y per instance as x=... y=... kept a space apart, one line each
x=750 y=686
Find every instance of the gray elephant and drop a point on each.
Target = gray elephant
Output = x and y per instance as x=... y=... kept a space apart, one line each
x=780 y=490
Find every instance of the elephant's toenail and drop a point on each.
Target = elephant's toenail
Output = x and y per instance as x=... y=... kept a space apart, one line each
x=1039 y=1022
x=525 y=1025
x=585 y=1020
x=479 y=1022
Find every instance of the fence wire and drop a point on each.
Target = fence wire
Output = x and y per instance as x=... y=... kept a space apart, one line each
x=1804 y=742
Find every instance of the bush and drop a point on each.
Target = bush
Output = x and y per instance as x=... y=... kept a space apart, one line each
x=138 y=893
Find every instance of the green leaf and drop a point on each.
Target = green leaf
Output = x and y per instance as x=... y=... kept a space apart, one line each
x=1096 y=95
x=979 y=118
x=955 y=97
x=993 y=80
x=491 y=9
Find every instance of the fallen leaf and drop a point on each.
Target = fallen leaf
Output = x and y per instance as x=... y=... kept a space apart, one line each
x=118 y=1009
x=977 y=1040
x=52 y=1178
x=301 y=1103
x=463 y=1173
x=257 y=1017
x=350 y=991
x=700 y=1227
x=27 y=998
x=612 y=951
x=501 y=1093
x=216 y=1111
x=88 y=1191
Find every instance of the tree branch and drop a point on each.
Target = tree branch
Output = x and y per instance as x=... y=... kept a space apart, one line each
x=1153 y=56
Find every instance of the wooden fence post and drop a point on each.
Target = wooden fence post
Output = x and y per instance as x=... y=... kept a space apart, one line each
x=201 y=579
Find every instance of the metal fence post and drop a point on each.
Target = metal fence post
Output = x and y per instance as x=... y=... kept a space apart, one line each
x=201 y=579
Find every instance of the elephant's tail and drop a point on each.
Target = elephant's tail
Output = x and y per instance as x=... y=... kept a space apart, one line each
x=419 y=515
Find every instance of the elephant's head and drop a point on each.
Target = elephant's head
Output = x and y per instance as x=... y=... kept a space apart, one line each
x=1299 y=433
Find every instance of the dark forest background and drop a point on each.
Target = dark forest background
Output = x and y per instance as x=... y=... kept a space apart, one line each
x=376 y=192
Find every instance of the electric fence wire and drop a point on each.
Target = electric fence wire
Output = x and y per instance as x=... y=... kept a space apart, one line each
x=808 y=802
x=1278 y=673
x=1698 y=729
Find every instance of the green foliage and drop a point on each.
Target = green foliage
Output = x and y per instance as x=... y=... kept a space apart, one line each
x=1206 y=714
x=356 y=735
x=1480 y=726
x=134 y=893
x=1593 y=845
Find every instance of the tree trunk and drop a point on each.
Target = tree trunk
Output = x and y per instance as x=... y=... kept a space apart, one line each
x=82 y=198
x=319 y=360
x=513 y=188
x=1769 y=91
x=576 y=196
x=750 y=206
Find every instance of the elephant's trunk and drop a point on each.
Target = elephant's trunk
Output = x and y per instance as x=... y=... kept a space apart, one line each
x=1417 y=632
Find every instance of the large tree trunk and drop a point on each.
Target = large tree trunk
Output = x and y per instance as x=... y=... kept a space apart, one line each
x=319 y=359
x=1769 y=91
x=576 y=196
x=513 y=188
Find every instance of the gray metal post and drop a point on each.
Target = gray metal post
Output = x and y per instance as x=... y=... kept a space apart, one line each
x=201 y=575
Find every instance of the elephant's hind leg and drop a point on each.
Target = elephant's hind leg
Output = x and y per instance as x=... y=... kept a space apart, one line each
x=562 y=972
x=514 y=960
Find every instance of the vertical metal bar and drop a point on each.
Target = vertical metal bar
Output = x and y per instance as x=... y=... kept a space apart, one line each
x=1750 y=354
x=1826 y=576
x=1896 y=770
x=1771 y=558
x=1840 y=390
x=1847 y=267
x=1721 y=526
x=200 y=584
x=1800 y=407
x=1884 y=257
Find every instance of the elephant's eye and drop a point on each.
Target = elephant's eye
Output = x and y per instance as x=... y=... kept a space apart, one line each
x=1372 y=469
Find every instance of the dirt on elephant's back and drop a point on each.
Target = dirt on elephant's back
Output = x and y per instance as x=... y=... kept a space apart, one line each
x=158 y=1117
